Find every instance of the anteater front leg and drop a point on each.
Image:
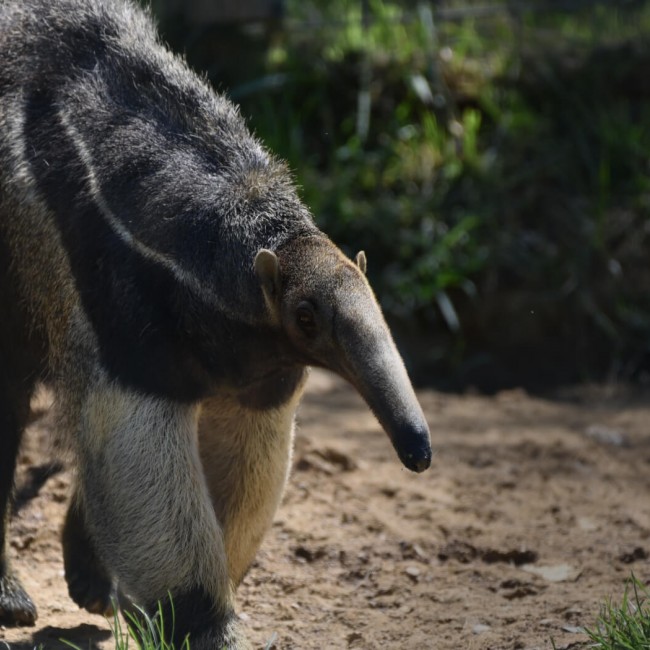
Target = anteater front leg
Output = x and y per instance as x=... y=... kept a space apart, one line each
x=149 y=514
x=246 y=453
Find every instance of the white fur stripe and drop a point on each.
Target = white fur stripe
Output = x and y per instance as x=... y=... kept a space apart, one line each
x=183 y=276
x=14 y=123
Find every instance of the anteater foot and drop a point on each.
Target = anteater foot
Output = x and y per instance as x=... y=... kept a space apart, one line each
x=90 y=590
x=16 y=607
x=89 y=584
x=228 y=638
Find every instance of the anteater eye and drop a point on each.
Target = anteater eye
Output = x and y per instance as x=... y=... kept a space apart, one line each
x=306 y=318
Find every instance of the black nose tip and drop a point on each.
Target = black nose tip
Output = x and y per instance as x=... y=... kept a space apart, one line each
x=417 y=462
x=413 y=446
x=422 y=464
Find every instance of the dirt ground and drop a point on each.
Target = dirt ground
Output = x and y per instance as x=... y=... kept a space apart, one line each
x=534 y=511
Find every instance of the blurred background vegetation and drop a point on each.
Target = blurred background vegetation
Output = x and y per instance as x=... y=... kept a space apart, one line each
x=493 y=160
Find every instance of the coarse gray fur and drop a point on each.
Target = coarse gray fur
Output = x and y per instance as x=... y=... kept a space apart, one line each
x=159 y=271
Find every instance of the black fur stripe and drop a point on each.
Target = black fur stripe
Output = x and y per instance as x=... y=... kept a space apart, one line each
x=130 y=301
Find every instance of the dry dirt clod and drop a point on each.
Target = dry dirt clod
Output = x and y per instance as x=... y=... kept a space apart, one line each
x=638 y=553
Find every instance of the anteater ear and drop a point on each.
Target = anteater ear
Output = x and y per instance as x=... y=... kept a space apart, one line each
x=267 y=268
x=361 y=261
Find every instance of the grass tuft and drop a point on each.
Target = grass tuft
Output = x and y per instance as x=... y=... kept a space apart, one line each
x=142 y=632
x=146 y=632
x=625 y=626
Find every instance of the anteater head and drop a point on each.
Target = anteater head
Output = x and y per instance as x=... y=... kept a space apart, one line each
x=327 y=310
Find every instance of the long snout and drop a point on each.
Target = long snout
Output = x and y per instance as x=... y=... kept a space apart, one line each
x=374 y=366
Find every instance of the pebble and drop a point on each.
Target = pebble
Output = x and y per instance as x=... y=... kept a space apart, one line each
x=412 y=572
x=573 y=629
x=605 y=435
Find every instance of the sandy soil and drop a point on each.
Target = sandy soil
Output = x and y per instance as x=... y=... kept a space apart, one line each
x=534 y=512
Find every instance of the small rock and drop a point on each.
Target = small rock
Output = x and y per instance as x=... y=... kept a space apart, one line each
x=605 y=435
x=587 y=524
x=573 y=629
x=555 y=573
x=479 y=628
x=412 y=572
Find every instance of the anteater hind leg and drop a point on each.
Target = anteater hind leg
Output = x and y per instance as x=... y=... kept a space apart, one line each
x=89 y=583
x=16 y=607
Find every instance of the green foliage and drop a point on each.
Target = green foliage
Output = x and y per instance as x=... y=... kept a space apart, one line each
x=625 y=626
x=496 y=169
x=142 y=632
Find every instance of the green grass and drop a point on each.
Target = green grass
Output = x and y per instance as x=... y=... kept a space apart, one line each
x=141 y=631
x=146 y=633
x=624 y=626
